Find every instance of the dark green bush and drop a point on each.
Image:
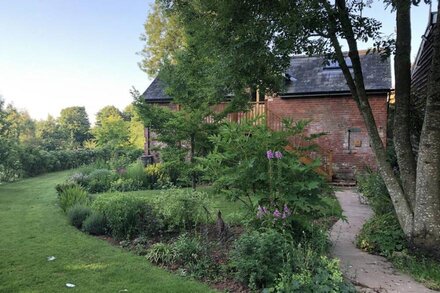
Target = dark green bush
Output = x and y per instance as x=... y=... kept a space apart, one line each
x=382 y=235
x=77 y=214
x=61 y=187
x=371 y=185
x=182 y=208
x=258 y=257
x=95 y=224
x=73 y=195
x=128 y=216
x=100 y=180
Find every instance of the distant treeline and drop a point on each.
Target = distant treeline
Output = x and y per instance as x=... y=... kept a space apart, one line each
x=29 y=147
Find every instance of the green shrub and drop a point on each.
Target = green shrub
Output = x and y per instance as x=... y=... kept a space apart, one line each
x=313 y=273
x=257 y=257
x=128 y=216
x=382 y=235
x=61 y=187
x=100 y=180
x=243 y=166
x=187 y=249
x=371 y=185
x=73 y=195
x=136 y=173
x=79 y=178
x=77 y=214
x=157 y=176
x=160 y=253
x=125 y=184
x=95 y=224
x=182 y=208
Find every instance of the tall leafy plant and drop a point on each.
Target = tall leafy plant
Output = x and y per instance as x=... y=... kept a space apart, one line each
x=249 y=163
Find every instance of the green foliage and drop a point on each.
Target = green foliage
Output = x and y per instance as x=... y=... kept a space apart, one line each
x=371 y=185
x=182 y=208
x=156 y=175
x=112 y=132
x=128 y=216
x=239 y=167
x=74 y=122
x=95 y=224
x=315 y=274
x=106 y=112
x=100 y=180
x=123 y=185
x=187 y=250
x=257 y=257
x=164 y=36
x=73 y=195
x=382 y=235
x=422 y=269
x=160 y=253
x=137 y=174
x=77 y=214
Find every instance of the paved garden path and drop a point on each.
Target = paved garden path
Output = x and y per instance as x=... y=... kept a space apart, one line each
x=370 y=273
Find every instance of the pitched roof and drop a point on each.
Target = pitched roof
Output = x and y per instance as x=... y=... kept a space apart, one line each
x=309 y=75
x=155 y=92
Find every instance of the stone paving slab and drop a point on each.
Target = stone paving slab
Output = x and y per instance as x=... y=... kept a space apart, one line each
x=369 y=273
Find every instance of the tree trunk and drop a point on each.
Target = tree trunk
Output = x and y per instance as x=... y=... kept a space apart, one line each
x=402 y=68
x=426 y=233
x=357 y=88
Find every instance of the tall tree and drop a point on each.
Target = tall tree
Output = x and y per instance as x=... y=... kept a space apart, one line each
x=163 y=37
x=112 y=131
x=75 y=123
x=137 y=128
x=255 y=40
x=106 y=112
x=49 y=134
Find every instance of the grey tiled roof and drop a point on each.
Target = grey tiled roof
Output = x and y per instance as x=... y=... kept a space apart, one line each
x=155 y=92
x=308 y=76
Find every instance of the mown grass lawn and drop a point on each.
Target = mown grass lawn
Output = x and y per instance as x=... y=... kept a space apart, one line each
x=34 y=228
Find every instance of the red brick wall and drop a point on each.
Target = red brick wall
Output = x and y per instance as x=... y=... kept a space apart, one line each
x=335 y=116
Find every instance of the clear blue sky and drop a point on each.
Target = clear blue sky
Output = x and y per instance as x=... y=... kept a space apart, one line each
x=59 y=53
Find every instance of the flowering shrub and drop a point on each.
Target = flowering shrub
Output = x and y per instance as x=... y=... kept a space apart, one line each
x=249 y=161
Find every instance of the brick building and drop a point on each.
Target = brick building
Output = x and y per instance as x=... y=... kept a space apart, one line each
x=319 y=92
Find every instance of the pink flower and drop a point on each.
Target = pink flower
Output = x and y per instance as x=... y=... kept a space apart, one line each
x=277 y=214
x=269 y=154
x=278 y=155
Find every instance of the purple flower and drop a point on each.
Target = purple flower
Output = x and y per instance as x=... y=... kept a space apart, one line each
x=287 y=210
x=261 y=212
x=277 y=214
x=269 y=154
x=278 y=155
